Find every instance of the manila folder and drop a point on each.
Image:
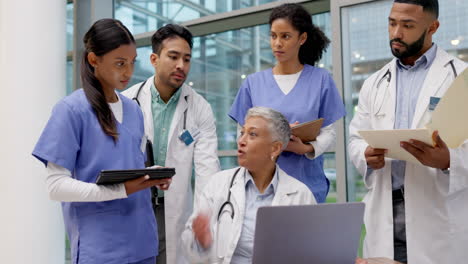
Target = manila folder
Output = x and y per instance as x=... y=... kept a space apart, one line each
x=390 y=140
x=449 y=117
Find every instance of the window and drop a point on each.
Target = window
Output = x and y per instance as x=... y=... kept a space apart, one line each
x=147 y=15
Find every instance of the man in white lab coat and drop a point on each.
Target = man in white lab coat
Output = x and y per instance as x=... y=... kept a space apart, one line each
x=181 y=126
x=414 y=213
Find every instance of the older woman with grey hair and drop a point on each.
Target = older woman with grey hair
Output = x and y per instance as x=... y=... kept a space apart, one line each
x=222 y=226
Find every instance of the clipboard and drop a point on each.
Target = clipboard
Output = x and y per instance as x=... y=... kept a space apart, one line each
x=120 y=176
x=390 y=140
x=308 y=131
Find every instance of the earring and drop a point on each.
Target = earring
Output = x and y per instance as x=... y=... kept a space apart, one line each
x=272 y=158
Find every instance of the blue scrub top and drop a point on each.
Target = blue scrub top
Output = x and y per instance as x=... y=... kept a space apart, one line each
x=117 y=231
x=314 y=96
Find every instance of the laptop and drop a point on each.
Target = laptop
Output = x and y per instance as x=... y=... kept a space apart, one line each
x=323 y=234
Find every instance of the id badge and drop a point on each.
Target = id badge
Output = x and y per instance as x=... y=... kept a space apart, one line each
x=186 y=137
x=189 y=136
x=433 y=101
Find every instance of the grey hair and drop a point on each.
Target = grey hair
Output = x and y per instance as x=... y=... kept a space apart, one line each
x=278 y=125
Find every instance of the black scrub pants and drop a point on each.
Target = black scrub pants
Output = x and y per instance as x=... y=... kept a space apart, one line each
x=399 y=226
x=158 y=209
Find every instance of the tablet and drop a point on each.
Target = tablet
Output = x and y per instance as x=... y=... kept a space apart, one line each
x=119 y=176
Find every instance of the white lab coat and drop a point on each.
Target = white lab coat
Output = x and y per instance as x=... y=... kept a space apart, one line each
x=202 y=153
x=436 y=214
x=289 y=192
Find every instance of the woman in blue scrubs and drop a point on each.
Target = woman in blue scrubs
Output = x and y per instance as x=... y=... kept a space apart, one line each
x=297 y=89
x=94 y=129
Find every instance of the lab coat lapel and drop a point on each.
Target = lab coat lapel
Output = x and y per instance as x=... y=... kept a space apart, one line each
x=238 y=193
x=285 y=192
x=145 y=103
x=436 y=76
x=391 y=105
x=383 y=95
x=238 y=203
x=182 y=105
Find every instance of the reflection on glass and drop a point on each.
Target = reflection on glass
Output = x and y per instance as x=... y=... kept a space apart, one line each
x=69 y=80
x=366 y=49
x=148 y=15
x=323 y=22
x=329 y=167
x=228 y=162
x=69 y=26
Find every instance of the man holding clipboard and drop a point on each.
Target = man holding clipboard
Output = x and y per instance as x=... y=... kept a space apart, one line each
x=414 y=212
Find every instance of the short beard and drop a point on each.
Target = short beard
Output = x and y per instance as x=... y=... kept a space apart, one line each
x=411 y=49
x=175 y=87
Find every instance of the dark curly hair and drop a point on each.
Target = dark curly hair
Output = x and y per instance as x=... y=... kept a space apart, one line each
x=170 y=31
x=312 y=50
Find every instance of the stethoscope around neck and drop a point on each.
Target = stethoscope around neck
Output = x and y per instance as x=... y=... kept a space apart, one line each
x=138 y=102
x=388 y=77
x=228 y=203
x=149 y=145
x=226 y=208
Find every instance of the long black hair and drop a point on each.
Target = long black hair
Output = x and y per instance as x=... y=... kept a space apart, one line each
x=312 y=50
x=104 y=36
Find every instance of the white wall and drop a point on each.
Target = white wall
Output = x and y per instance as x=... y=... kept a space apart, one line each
x=32 y=80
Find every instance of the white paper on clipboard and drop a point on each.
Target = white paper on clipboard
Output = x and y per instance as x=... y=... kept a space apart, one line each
x=390 y=140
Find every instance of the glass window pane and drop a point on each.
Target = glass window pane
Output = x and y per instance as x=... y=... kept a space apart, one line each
x=323 y=22
x=452 y=34
x=148 y=15
x=69 y=26
x=69 y=80
x=228 y=162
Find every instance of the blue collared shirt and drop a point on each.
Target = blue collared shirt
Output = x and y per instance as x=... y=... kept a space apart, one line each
x=410 y=80
x=253 y=200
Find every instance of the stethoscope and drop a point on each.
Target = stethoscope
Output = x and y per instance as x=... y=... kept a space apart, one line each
x=228 y=203
x=149 y=145
x=227 y=208
x=224 y=209
x=388 y=77
x=138 y=102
